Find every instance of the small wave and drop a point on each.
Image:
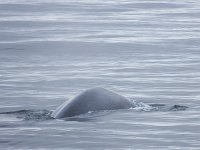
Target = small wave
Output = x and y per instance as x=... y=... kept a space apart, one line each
x=177 y=108
x=163 y=107
x=42 y=115
x=37 y=115
x=140 y=106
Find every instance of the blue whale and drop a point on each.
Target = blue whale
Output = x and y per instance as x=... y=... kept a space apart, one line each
x=95 y=99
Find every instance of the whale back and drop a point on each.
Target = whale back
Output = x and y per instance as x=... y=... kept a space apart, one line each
x=95 y=99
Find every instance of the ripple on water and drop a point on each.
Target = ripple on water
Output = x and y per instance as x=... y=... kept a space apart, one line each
x=146 y=50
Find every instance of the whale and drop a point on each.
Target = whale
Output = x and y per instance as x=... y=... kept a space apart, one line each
x=95 y=99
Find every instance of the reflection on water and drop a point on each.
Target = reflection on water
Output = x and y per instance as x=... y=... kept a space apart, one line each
x=98 y=21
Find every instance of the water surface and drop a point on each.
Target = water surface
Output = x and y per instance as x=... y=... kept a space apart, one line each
x=145 y=50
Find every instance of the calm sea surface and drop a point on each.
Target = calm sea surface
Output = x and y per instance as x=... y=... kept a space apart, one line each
x=146 y=50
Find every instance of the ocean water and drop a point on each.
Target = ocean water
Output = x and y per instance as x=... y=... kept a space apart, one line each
x=145 y=50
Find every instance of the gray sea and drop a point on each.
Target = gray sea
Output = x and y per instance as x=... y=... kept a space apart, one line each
x=145 y=50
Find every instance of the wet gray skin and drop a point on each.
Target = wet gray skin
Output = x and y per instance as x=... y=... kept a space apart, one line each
x=95 y=99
